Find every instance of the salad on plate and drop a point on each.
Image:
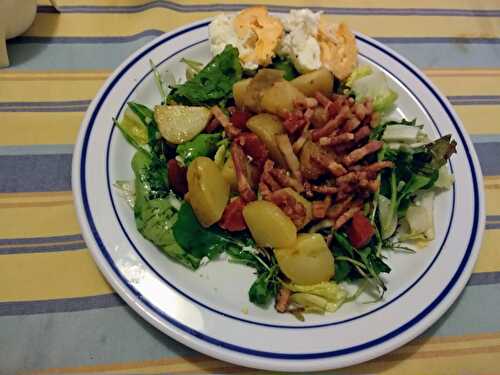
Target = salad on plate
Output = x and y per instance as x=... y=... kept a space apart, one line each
x=285 y=155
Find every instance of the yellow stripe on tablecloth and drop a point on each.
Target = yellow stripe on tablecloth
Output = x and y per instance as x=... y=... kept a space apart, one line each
x=126 y=24
x=39 y=128
x=42 y=276
x=66 y=86
x=432 y=4
x=51 y=214
x=438 y=355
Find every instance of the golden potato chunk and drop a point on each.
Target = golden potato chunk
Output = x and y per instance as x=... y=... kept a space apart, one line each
x=319 y=80
x=309 y=262
x=179 y=124
x=280 y=98
x=266 y=127
x=269 y=225
x=208 y=191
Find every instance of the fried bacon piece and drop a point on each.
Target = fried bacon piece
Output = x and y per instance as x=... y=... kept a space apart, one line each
x=359 y=111
x=361 y=152
x=331 y=125
x=291 y=159
x=319 y=208
x=240 y=166
x=351 y=125
x=334 y=140
x=253 y=147
x=294 y=121
x=290 y=206
x=378 y=166
x=229 y=128
x=282 y=299
x=328 y=162
x=322 y=189
x=285 y=180
x=362 y=133
x=306 y=103
x=301 y=141
x=348 y=214
x=336 y=210
x=232 y=217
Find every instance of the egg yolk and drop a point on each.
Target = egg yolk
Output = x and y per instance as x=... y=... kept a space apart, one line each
x=262 y=31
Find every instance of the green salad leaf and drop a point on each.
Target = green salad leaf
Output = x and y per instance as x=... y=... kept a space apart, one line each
x=285 y=64
x=213 y=84
x=191 y=236
x=201 y=145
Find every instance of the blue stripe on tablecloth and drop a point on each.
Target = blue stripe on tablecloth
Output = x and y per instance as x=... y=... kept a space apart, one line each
x=112 y=300
x=81 y=105
x=49 y=248
x=37 y=240
x=153 y=32
x=84 y=56
x=60 y=305
x=36 y=149
x=273 y=8
x=52 y=172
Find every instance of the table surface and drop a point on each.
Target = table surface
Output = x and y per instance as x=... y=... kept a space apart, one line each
x=59 y=315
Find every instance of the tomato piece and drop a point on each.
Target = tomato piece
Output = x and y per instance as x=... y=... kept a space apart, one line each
x=232 y=218
x=253 y=147
x=177 y=177
x=240 y=118
x=360 y=230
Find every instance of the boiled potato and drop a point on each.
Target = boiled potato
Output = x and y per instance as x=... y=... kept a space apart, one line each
x=179 y=124
x=319 y=80
x=266 y=126
x=269 y=225
x=303 y=201
x=229 y=174
x=280 y=98
x=239 y=92
x=208 y=191
x=309 y=262
x=308 y=167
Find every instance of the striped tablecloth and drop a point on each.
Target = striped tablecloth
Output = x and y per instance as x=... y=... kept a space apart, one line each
x=58 y=314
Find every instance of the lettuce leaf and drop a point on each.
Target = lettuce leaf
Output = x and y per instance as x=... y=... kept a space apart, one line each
x=375 y=86
x=320 y=298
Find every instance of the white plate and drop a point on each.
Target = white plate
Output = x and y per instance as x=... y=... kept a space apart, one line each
x=209 y=310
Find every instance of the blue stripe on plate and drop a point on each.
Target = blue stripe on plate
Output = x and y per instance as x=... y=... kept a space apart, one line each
x=273 y=8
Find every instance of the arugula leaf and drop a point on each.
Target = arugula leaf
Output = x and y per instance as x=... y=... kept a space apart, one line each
x=286 y=66
x=201 y=145
x=265 y=287
x=213 y=84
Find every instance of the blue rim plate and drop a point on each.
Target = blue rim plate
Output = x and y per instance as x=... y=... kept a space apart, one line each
x=208 y=310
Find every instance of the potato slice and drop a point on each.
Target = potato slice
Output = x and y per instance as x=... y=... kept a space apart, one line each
x=179 y=124
x=280 y=98
x=266 y=126
x=319 y=80
x=309 y=262
x=240 y=91
x=208 y=191
x=269 y=225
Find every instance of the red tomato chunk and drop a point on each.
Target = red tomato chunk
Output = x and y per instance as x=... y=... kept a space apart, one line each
x=360 y=230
